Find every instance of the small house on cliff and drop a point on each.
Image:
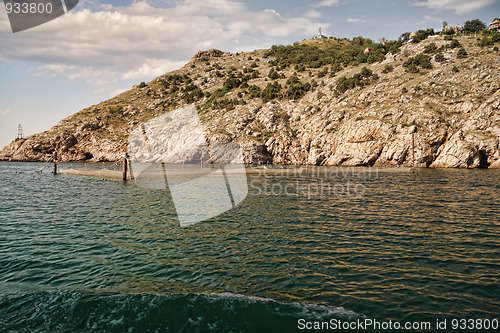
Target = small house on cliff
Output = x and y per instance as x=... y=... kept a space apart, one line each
x=495 y=25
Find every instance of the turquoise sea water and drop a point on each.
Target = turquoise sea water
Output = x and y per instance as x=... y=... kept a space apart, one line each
x=83 y=254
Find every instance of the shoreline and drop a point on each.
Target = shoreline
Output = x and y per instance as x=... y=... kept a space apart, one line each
x=272 y=166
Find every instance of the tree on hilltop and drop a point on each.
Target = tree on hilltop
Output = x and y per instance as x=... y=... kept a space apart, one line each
x=474 y=26
x=405 y=36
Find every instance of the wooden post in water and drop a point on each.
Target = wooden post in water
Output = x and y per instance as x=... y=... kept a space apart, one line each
x=413 y=150
x=125 y=168
x=130 y=167
x=54 y=170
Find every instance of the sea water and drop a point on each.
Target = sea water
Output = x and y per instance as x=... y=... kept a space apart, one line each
x=318 y=245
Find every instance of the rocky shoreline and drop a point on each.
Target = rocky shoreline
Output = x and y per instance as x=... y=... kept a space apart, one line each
x=451 y=117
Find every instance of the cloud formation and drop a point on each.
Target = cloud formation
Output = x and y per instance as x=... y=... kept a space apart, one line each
x=355 y=20
x=4 y=112
x=141 y=41
x=327 y=3
x=430 y=19
x=458 y=6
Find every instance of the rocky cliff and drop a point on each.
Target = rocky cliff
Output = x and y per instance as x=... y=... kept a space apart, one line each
x=441 y=99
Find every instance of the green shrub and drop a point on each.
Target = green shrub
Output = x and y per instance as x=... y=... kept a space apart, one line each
x=474 y=26
x=271 y=92
x=454 y=43
x=394 y=46
x=495 y=37
x=485 y=41
x=190 y=87
x=388 y=69
x=254 y=91
x=361 y=79
x=413 y=64
x=412 y=68
x=217 y=94
x=297 y=90
x=462 y=53
x=405 y=36
x=300 y=68
x=455 y=69
x=423 y=34
x=273 y=75
x=232 y=83
x=323 y=72
x=439 y=57
x=193 y=95
x=227 y=103
x=293 y=79
x=448 y=36
x=430 y=48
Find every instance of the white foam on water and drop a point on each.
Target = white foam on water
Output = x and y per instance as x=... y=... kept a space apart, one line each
x=306 y=308
x=329 y=310
x=254 y=299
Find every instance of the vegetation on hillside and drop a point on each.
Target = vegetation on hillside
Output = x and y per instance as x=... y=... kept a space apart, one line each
x=304 y=56
x=361 y=79
x=289 y=72
x=286 y=63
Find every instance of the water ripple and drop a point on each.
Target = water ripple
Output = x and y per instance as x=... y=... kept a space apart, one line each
x=413 y=247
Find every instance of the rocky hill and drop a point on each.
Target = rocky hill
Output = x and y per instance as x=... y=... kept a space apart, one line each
x=321 y=102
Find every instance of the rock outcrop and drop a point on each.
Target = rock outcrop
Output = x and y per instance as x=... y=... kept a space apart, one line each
x=444 y=117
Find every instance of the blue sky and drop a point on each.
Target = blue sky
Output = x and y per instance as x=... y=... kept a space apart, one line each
x=104 y=47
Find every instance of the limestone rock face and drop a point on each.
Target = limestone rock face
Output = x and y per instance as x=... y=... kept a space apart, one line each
x=464 y=152
x=495 y=165
x=436 y=118
x=255 y=153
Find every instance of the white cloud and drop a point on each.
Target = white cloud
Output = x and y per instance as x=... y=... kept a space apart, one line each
x=355 y=20
x=151 y=68
x=458 y=6
x=430 y=19
x=53 y=70
x=313 y=14
x=140 y=42
x=100 y=78
x=327 y=3
x=4 y=112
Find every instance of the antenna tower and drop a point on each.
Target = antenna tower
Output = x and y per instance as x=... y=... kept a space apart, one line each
x=20 y=135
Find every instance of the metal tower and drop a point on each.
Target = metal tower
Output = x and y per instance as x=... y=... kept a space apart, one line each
x=20 y=135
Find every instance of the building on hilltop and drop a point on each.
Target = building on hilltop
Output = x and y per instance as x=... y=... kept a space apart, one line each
x=455 y=28
x=495 y=25
x=319 y=35
x=20 y=134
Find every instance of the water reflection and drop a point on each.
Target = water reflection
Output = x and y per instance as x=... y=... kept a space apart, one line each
x=414 y=246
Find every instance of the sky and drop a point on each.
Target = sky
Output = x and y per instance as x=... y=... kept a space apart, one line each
x=101 y=48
